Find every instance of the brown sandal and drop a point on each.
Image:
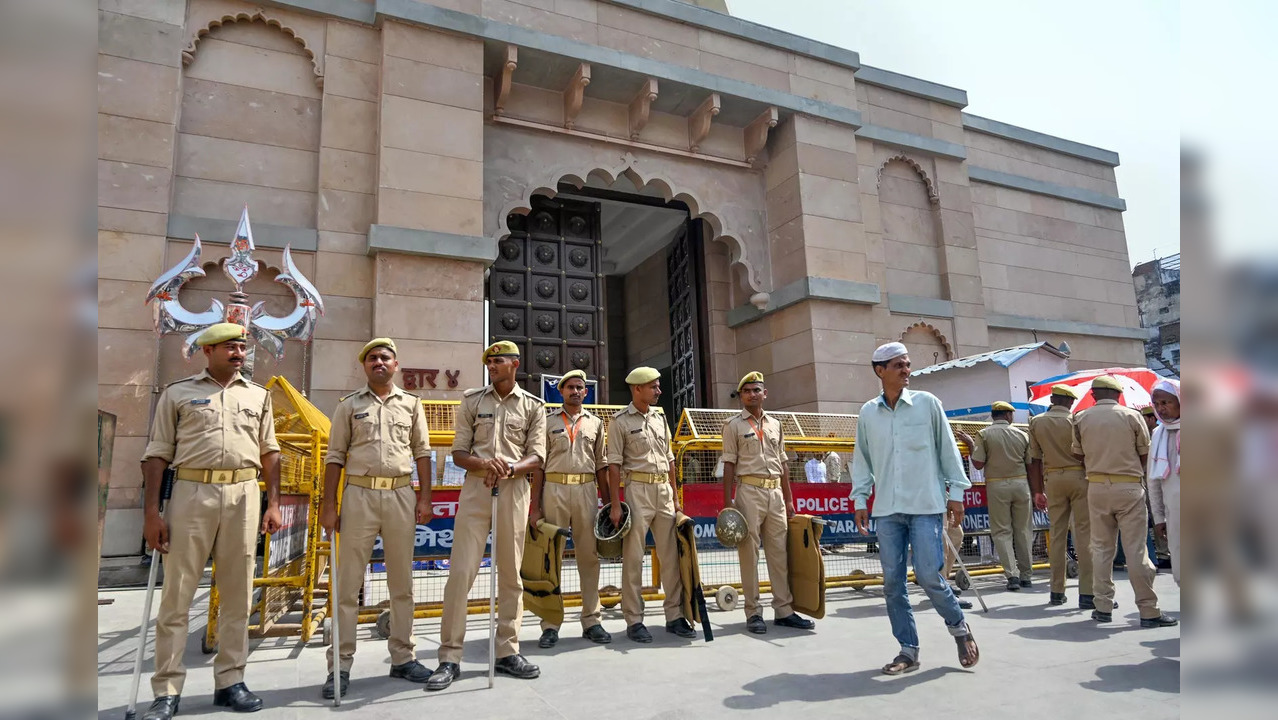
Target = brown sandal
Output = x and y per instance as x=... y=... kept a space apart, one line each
x=968 y=657
x=901 y=664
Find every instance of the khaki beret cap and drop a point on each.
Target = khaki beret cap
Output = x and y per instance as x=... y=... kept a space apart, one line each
x=376 y=343
x=570 y=375
x=220 y=333
x=642 y=375
x=750 y=377
x=1109 y=382
x=502 y=348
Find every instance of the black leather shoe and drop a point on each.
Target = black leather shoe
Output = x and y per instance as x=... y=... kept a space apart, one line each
x=794 y=621
x=330 y=686
x=1027 y=582
x=1102 y=617
x=517 y=666
x=954 y=589
x=1086 y=602
x=965 y=604
x=596 y=634
x=639 y=633
x=682 y=628
x=237 y=697
x=1013 y=584
x=549 y=638
x=412 y=671
x=163 y=708
x=756 y=625
x=1160 y=621
x=443 y=676
x=1057 y=599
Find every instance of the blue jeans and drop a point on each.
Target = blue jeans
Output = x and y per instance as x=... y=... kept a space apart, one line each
x=897 y=534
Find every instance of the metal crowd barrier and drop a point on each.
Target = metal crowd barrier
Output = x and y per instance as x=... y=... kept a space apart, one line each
x=851 y=559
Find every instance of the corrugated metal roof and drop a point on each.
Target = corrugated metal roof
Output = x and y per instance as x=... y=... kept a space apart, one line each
x=1003 y=358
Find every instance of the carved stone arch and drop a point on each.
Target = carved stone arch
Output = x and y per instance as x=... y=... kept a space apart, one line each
x=629 y=167
x=284 y=25
x=925 y=328
x=932 y=197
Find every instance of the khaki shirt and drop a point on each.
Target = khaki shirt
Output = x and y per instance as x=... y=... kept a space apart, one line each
x=378 y=437
x=640 y=442
x=1051 y=436
x=201 y=425
x=581 y=451
x=742 y=447
x=1111 y=438
x=509 y=428
x=1004 y=450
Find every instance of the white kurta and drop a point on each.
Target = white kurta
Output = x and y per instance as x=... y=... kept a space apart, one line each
x=1164 y=499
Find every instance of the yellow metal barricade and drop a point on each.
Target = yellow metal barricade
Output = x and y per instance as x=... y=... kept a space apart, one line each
x=292 y=559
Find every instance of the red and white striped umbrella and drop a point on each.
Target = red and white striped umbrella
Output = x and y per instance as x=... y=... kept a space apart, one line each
x=1137 y=385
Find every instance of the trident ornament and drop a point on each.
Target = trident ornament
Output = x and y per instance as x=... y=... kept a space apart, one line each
x=269 y=331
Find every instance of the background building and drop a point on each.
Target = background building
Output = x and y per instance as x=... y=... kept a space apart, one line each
x=605 y=182
x=1158 y=298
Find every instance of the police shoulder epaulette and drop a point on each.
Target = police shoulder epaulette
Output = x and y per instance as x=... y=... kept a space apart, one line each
x=414 y=396
x=349 y=396
x=250 y=382
x=536 y=399
x=182 y=380
x=473 y=391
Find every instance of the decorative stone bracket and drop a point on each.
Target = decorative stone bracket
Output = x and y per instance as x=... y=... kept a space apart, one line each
x=640 y=107
x=756 y=133
x=575 y=93
x=699 y=121
x=501 y=83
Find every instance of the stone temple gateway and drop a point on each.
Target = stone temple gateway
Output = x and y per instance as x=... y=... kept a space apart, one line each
x=605 y=182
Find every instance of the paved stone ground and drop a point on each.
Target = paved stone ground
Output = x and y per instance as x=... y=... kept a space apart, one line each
x=1036 y=661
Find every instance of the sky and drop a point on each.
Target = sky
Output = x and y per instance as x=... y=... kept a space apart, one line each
x=1101 y=73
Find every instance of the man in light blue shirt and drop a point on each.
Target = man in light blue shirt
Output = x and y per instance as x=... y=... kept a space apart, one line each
x=906 y=454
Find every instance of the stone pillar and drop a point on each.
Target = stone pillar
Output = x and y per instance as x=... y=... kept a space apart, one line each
x=816 y=335
x=139 y=81
x=962 y=267
x=430 y=258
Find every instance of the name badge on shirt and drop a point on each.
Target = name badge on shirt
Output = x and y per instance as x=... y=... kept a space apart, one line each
x=485 y=415
x=201 y=401
x=556 y=432
x=633 y=432
x=748 y=435
x=361 y=416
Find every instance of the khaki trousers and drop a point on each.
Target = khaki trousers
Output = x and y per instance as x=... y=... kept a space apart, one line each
x=470 y=533
x=1009 y=505
x=204 y=518
x=1066 y=505
x=955 y=534
x=1120 y=507
x=574 y=506
x=651 y=508
x=366 y=514
x=764 y=512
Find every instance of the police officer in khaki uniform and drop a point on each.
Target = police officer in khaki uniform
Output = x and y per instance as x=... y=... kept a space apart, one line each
x=954 y=532
x=1002 y=452
x=1055 y=468
x=754 y=456
x=1113 y=442
x=639 y=454
x=217 y=429
x=499 y=438
x=566 y=494
x=378 y=433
